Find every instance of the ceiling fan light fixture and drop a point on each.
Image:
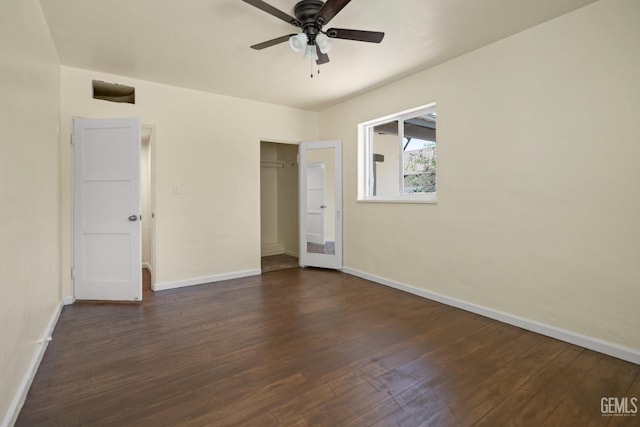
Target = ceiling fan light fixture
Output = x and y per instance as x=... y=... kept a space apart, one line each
x=323 y=42
x=310 y=53
x=298 y=42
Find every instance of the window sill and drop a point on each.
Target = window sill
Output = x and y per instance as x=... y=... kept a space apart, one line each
x=411 y=200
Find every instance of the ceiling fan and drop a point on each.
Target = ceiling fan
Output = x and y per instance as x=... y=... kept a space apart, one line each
x=311 y=16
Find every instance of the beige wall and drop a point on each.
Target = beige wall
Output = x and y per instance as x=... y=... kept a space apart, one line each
x=538 y=202
x=209 y=146
x=29 y=116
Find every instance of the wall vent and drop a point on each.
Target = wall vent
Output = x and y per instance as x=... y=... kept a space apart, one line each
x=114 y=92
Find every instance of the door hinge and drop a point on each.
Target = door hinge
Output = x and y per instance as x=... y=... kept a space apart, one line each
x=71 y=139
x=73 y=274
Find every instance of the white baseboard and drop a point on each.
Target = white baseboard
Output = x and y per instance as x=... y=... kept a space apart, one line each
x=68 y=300
x=268 y=249
x=21 y=394
x=203 y=280
x=621 y=352
x=147 y=266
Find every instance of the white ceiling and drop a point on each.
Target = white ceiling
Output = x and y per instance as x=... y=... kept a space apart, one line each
x=204 y=44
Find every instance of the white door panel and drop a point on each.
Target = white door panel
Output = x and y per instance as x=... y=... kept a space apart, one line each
x=103 y=208
x=107 y=238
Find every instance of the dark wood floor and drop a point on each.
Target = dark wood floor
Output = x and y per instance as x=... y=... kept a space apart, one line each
x=312 y=348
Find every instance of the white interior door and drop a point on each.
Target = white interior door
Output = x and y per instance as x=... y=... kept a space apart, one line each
x=106 y=208
x=320 y=190
x=316 y=205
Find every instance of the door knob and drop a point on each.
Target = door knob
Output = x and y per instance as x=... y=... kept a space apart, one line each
x=323 y=206
x=133 y=218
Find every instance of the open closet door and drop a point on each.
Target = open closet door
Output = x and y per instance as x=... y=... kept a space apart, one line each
x=106 y=209
x=320 y=186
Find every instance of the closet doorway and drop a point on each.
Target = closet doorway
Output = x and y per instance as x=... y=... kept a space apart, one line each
x=278 y=205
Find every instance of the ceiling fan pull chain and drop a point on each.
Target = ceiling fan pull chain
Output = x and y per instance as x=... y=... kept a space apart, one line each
x=318 y=68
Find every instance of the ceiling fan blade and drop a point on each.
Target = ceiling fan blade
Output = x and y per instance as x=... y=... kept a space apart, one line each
x=329 y=10
x=265 y=7
x=358 y=35
x=272 y=42
x=323 y=58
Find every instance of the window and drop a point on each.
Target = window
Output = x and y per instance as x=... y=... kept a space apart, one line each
x=398 y=157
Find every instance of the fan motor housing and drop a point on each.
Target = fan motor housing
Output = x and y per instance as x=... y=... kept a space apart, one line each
x=306 y=10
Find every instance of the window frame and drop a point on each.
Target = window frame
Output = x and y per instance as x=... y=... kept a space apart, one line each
x=365 y=169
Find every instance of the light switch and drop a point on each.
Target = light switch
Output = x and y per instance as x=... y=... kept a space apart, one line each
x=176 y=189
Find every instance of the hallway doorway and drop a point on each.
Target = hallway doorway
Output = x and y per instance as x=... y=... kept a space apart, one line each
x=147 y=183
